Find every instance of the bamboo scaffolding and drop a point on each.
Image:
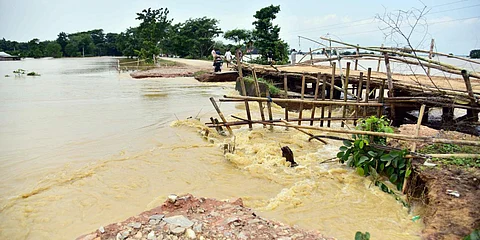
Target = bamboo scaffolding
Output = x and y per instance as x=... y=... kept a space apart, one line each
x=285 y=86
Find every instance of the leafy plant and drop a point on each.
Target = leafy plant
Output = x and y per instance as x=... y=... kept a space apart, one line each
x=475 y=235
x=369 y=160
x=362 y=236
x=19 y=71
x=271 y=88
x=33 y=74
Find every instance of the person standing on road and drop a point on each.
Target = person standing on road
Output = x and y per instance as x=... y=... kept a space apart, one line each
x=294 y=56
x=228 y=57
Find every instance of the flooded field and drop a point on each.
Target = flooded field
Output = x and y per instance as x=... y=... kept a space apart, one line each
x=83 y=146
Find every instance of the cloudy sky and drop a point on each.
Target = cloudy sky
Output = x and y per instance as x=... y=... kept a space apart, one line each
x=454 y=24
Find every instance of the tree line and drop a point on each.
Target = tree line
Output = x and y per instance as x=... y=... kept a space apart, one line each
x=156 y=34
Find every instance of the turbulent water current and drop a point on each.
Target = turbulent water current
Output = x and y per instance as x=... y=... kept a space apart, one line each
x=82 y=146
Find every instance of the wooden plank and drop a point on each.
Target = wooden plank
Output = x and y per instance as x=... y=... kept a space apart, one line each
x=300 y=111
x=317 y=84
x=345 y=90
x=331 y=92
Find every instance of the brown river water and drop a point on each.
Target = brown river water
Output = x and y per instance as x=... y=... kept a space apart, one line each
x=82 y=146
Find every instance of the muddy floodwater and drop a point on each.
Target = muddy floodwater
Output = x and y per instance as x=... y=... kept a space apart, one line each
x=82 y=146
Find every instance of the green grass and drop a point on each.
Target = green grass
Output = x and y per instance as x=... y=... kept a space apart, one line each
x=271 y=88
x=439 y=148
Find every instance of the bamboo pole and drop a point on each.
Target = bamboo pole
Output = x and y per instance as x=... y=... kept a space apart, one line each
x=285 y=86
x=331 y=92
x=367 y=91
x=257 y=92
x=245 y=121
x=316 y=103
x=345 y=87
x=269 y=107
x=244 y=90
x=430 y=54
x=317 y=84
x=220 y=114
x=390 y=135
x=302 y=98
x=381 y=98
x=311 y=55
x=378 y=64
x=359 y=94
x=390 y=86
x=470 y=113
x=434 y=53
x=303 y=131
x=414 y=145
x=447 y=66
x=356 y=60
x=324 y=83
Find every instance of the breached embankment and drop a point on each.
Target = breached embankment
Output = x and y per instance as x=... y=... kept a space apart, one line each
x=188 y=217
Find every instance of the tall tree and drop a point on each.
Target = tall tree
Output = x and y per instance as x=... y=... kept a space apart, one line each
x=62 y=39
x=53 y=49
x=238 y=35
x=152 y=31
x=266 y=35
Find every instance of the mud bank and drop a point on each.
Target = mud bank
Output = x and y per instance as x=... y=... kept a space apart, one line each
x=166 y=72
x=188 y=217
x=449 y=194
x=447 y=216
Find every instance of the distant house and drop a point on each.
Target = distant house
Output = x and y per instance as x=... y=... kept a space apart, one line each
x=7 y=57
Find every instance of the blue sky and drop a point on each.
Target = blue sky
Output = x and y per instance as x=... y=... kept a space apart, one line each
x=454 y=24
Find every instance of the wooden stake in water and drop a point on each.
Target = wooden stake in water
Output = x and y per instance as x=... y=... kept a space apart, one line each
x=269 y=107
x=345 y=90
x=332 y=84
x=257 y=93
x=244 y=90
x=414 y=145
x=221 y=115
x=317 y=84
x=300 y=111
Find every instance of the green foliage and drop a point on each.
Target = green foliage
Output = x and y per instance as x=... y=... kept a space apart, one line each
x=271 y=88
x=475 y=53
x=371 y=161
x=475 y=235
x=239 y=36
x=362 y=236
x=266 y=36
x=19 y=71
x=152 y=30
x=453 y=148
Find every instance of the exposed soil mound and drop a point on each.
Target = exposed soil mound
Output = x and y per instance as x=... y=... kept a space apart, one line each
x=188 y=217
